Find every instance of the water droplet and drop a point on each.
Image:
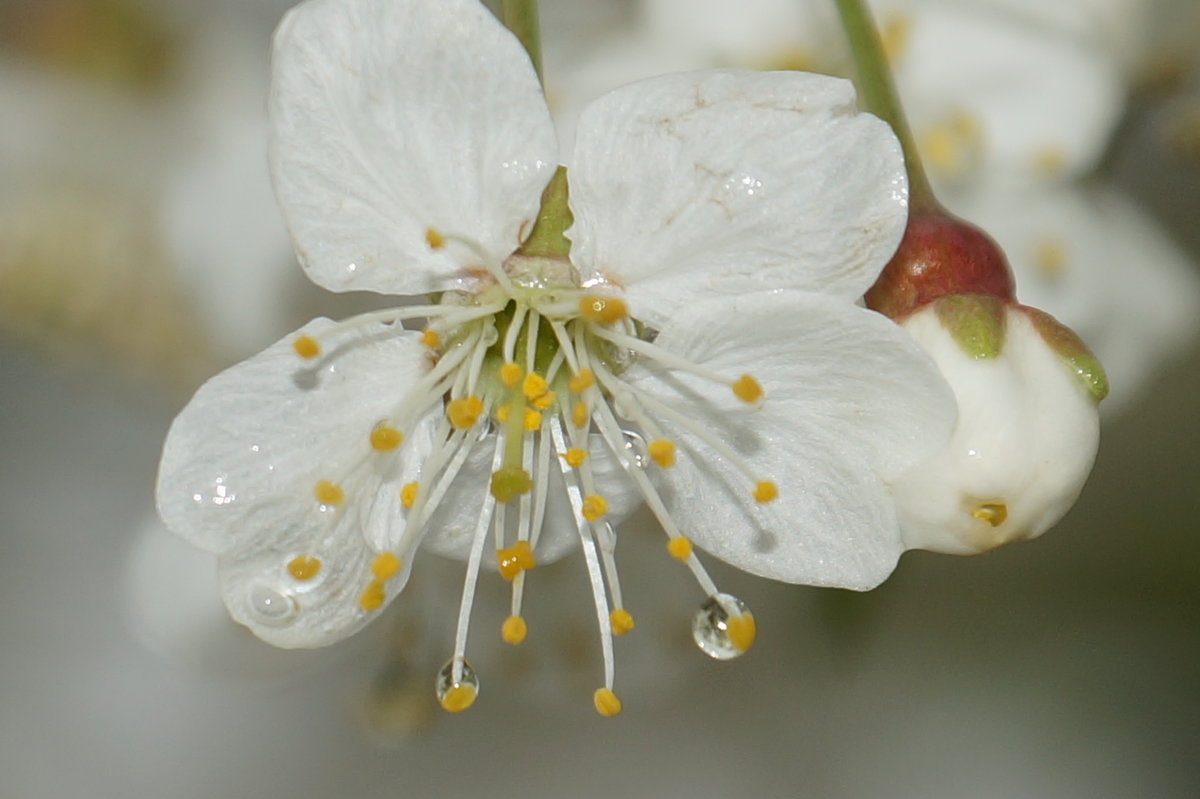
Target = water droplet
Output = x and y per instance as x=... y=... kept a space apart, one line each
x=456 y=693
x=490 y=335
x=271 y=606
x=723 y=627
x=635 y=448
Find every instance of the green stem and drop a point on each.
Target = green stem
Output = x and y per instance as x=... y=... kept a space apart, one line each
x=879 y=95
x=521 y=17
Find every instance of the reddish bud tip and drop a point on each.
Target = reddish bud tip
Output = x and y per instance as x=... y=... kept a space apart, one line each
x=939 y=255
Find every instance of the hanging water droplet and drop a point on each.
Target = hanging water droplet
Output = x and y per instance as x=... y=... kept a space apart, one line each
x=723 y=628
x=635 y=448
x=490 y=335
x=271 y=606
x=456 y=692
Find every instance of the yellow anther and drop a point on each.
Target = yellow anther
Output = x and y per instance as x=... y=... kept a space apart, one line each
x=459 y=698
x=408 y=494
x=1049 y=160
x=372 y=596
x=303 y=567
x=544 y=401
x=994 y=513
x=434 y=238
x=328 y=493
x=509 y=482
x=510 y=373
x=384 y=438
x=575 y=457
x=502 y=413
x=515 y=559
x=792 y=60
x=621 y=621
x=1050 y=258
x=747 y=389
x=680 y=547
x=582 y=381
x=579 y=414
x=514 y=630
x=605 y=310
x=741 y=630
x=606 y=702
x=533 y=420
x=430 y=338
x=661 y=452
x=386 y=565
x=765 y=491
x=306 y=347
x=894 y=33
x=534 y=386
x=594 y=507
x=464 y=411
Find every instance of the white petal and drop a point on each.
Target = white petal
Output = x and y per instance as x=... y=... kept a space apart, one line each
x=849 y=403
x=393 y=118
x=712 y=184
x=242 y=460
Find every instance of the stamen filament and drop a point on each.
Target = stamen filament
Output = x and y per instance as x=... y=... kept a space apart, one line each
x=657 y=353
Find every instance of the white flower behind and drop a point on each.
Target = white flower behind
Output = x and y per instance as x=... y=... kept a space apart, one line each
x=700 y=350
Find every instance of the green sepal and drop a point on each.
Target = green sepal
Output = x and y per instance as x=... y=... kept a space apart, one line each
x=546 y=240
x=975 y=321
x=1071 y=349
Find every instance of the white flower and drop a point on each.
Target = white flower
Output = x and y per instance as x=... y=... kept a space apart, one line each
x=700 y=351
x=1027 y=433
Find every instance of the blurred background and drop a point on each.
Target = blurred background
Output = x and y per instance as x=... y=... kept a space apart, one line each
x=141 y=251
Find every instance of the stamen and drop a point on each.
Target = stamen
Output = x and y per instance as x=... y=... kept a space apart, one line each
x=328 y=493
x=534 y=386
x=306 y=347
x=662 y=452
x=510 y=335
x=594 y=507
x=582 y=381
x=607 y=703
x=385 y=439
x=747 y=389
x=994 y=513
x=509 y=482
x=621 y=621
x=532 y=421
x=430 y=338
x=544 y=401
x=303 y=567
x=580 y=414
x=765 y=491
x=434 y=239
x=464 y=412
x=385 y=566
x=372 y=596
x=510 y=373
x=408 y=494
x=575 y=456
x=514 y=630
x=605 y=310
x=680 y=547
x=515 y=559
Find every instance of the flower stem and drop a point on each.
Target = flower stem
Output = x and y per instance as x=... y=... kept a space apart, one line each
x=879 y=96
x=521 y=17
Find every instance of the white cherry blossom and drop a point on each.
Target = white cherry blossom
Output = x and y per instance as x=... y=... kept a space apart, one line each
x=700 y=350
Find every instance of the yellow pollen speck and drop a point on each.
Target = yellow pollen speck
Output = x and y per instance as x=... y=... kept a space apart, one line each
x=510 y=373
x=582 y=381
x=328 y=493
x=741 y=630
x=514 y=630
x=515 y=559
x=434 y=238
x=509 y=482
x=661 y=452
x=1050 y=258
x=384 y=438
x=994 y=513
x=464 y=411
x=1049 y=160
x=306 y=347
x=765 y=491
x=594 y=506
x=747 y=389
x=386 y=565
x=534 y=386
x=621 y=621
x=605 y=310
x=574 y=457
x=544 y=401
x=431 y=339
x=894 y=35
x=680 y=547
x=606 y=702
x=372 y=596
x=533 y=420
x=303 y=567
x=408 y=494
x=459 y=698
x=579 y=414
x=502 y=413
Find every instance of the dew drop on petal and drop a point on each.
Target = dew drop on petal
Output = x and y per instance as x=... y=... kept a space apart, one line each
x=271 y=606
x=711 y=627
x=456 y=694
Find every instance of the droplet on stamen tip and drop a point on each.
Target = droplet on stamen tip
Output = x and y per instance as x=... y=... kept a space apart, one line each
x=270 y=606
x=723 y=628
x=456 y=695
x=636 y=449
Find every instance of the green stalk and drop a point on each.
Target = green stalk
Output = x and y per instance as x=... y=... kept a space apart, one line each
x=879 y=96
x=521 y=17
